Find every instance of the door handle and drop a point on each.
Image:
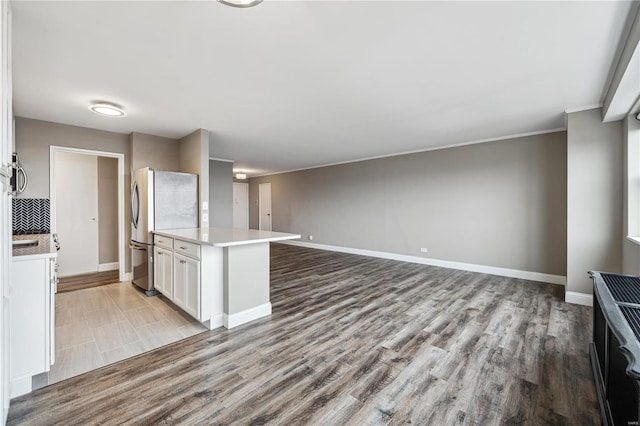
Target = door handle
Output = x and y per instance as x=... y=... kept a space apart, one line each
x=23 y=186
x=135 y=205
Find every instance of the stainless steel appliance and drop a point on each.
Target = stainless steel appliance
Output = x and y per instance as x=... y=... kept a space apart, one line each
x=159 y=200
x=18 y=176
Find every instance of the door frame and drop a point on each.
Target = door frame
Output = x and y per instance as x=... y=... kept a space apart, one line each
x=260 y=207
x=121 y=202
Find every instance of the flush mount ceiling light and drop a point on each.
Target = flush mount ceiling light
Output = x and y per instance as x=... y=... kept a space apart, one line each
x=241 y=175
x=241 y=3
x=107 y=109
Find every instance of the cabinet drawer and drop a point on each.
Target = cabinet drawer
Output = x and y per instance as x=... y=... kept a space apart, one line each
x=161 y=241
x=188 y=249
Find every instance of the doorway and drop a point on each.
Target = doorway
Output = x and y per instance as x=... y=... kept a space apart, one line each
x=264 y=206
x=240 y=205
x=66 y=166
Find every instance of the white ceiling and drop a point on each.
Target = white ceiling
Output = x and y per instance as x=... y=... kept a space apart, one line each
x=293 y=84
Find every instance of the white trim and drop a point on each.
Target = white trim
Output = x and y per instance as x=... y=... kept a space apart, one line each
x=222 y=159
x=216 y=321
x=243 y=317
x=108 y=266
x=635 y=240
x=126 y=277
x=21 y=385
x=417 y=151
x=122 y=244
x=471 y=267
x=582 y=108
x=578 y=298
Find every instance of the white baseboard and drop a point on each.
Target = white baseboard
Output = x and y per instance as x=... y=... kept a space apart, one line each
x=20 y=386
x=108 y=266
x=126 y=277
x=216 y=321
x=578 y=298
x=245 y=316
x=493 y=270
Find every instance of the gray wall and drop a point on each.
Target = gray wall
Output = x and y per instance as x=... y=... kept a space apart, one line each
x=108 y=210
x=155 y=152
x=631 y=225
x=594 y=198
x=194 y=158
x=499 y=204
x=220 y=194
x=33 y=139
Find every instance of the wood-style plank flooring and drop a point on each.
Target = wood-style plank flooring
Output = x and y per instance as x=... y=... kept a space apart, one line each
x=355 y=340
x=82 y=281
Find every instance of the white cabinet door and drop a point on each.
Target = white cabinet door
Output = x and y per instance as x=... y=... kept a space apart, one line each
x=163 y=271
x=186 y=284
x=192 y=296
x=179 y=279
x=30 y=336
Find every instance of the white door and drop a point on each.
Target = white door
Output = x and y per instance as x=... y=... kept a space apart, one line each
x=264 y=195
x=76 y=212
x=240 y=205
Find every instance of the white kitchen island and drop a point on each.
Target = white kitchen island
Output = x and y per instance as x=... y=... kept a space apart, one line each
x=220 y=276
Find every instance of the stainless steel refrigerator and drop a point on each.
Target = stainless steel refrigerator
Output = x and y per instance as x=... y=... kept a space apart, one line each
x=159 y=200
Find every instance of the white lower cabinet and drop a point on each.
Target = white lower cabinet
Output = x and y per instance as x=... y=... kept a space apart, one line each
x=163 y=271
x=186 y=284
x=32 y=313
x=190 y=275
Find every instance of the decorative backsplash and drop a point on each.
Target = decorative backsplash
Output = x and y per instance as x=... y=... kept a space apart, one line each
x=31 y=216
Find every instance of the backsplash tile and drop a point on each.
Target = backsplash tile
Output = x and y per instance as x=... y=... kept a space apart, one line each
x=31 y=216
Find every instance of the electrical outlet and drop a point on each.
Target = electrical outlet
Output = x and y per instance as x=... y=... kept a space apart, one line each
x=423 y=250
x=205 y=217
x=310 y=237
x=205 y=205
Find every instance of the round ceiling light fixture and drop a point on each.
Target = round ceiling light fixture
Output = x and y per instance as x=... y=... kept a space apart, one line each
x=109 y=110
x=241 y=3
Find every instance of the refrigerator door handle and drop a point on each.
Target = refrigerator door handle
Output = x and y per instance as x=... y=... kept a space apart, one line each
x=135 y=205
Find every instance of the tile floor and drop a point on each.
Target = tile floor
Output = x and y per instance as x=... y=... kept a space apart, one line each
x=102 y=325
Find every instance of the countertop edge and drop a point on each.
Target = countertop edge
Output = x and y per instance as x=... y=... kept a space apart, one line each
x=24 y=257
x=226 y=244
x=261 y=240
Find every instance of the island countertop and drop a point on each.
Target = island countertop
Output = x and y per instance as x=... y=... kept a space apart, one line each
x=225 y=237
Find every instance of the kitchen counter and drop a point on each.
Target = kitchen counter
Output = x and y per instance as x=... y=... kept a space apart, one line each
x=220 y=276
x=226 y=237
x=45 y=248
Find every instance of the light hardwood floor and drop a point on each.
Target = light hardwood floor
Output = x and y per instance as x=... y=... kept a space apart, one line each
x=102 y=325
x=355 y=340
